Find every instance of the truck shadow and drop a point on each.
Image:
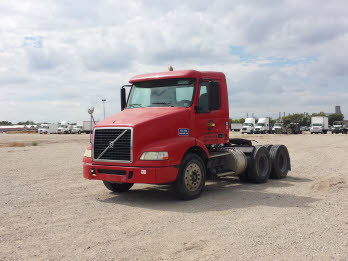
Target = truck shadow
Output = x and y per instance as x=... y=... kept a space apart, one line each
x=226 y=194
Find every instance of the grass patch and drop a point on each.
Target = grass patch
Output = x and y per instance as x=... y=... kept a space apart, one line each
x=34 y=143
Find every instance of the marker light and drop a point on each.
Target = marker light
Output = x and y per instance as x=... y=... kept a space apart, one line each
x=162 y=155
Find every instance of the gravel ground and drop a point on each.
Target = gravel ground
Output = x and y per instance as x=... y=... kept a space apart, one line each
x=48 y=211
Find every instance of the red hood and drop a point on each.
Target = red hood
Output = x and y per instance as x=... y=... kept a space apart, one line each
x=136 y=116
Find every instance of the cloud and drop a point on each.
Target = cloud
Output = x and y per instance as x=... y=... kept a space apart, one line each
x=57 y=58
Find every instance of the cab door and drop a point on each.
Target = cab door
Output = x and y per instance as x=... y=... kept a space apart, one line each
x=211 y=124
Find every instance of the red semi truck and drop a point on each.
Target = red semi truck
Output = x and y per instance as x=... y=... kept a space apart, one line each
x=174 y=129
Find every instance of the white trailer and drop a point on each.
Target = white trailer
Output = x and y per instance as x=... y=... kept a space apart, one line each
x=319 y=124
x=248 y=126
x=48 y=128
x=87 y=126
x=236 y=126
x=262 y=126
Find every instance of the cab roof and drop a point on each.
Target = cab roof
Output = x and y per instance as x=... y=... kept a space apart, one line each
x=177 y=74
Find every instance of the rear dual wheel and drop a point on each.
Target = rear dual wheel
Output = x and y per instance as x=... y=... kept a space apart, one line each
x=259 y=166
x=280 y=161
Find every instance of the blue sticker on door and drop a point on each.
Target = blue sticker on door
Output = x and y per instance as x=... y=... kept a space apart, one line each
x=184 y=132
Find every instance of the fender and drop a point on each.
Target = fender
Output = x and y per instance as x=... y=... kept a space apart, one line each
x=200 y=144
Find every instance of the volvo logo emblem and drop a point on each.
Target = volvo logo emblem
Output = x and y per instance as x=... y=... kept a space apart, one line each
x=111 y=144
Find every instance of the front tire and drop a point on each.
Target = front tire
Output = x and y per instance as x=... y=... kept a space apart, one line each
x=191 y=177
x=117 y=187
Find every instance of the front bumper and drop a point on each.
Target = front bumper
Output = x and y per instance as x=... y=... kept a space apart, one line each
x=148 y=175
x=316 y=130
x=246 y=131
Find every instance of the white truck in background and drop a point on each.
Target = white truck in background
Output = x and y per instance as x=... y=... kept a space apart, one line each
x=262 y=126
x=64 y=128
x=319 y=124
x=248 y=126
x=76 y=129
x=277 y=127
x=48 y=128
x=236 y=126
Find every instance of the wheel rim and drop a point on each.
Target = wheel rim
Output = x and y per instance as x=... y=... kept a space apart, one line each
x=193 y=176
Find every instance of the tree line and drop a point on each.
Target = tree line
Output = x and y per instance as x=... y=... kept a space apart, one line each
x=304 y=119
x=7 y=123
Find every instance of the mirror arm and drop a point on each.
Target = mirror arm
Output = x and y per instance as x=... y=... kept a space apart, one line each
x=123 y=96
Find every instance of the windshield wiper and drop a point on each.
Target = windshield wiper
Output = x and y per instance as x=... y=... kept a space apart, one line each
x=165 y=103
x=137 y=105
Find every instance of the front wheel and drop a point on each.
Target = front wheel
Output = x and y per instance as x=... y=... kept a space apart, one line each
x=117 y=187
x=191 y=177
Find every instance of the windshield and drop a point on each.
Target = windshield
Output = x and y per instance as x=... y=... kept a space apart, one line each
x=316 y=124
x=44 y=127
x=338 y=123
x=248 y=124
x=278 y=124
x=64 y=126
x=260 y=124
x=162 y=93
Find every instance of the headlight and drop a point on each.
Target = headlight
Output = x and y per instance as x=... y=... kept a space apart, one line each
x=88 y=153
x=162 y=155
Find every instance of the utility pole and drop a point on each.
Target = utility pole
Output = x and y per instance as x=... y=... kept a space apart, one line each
x=104 y=100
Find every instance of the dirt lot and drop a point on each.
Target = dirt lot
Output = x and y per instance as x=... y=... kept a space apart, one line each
x=48 y=211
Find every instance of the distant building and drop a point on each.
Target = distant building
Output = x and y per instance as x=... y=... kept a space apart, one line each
x=18 y=128
x=338 y=109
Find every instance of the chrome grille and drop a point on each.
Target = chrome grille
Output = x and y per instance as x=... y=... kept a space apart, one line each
x=112 y=144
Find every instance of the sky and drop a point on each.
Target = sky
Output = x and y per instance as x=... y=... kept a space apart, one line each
x=58 y=58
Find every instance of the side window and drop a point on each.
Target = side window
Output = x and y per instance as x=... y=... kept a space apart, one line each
x=214 y=95
x=209 y=97
x=203 y=101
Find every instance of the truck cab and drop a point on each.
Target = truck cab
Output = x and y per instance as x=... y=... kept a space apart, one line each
x=262 y=126
x=64 y=128
x=43 y=129
x=76 y=129
x=338 y=127
x=277 y=128
x=248 y=126
x=172 y=129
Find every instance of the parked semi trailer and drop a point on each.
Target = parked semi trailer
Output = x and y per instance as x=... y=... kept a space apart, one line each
x=48 y=128
x=173 y=129
x=87 y=126
x=236 y=126
x=319 y=124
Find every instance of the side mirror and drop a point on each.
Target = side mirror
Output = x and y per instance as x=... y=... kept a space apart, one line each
x=123 y=98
